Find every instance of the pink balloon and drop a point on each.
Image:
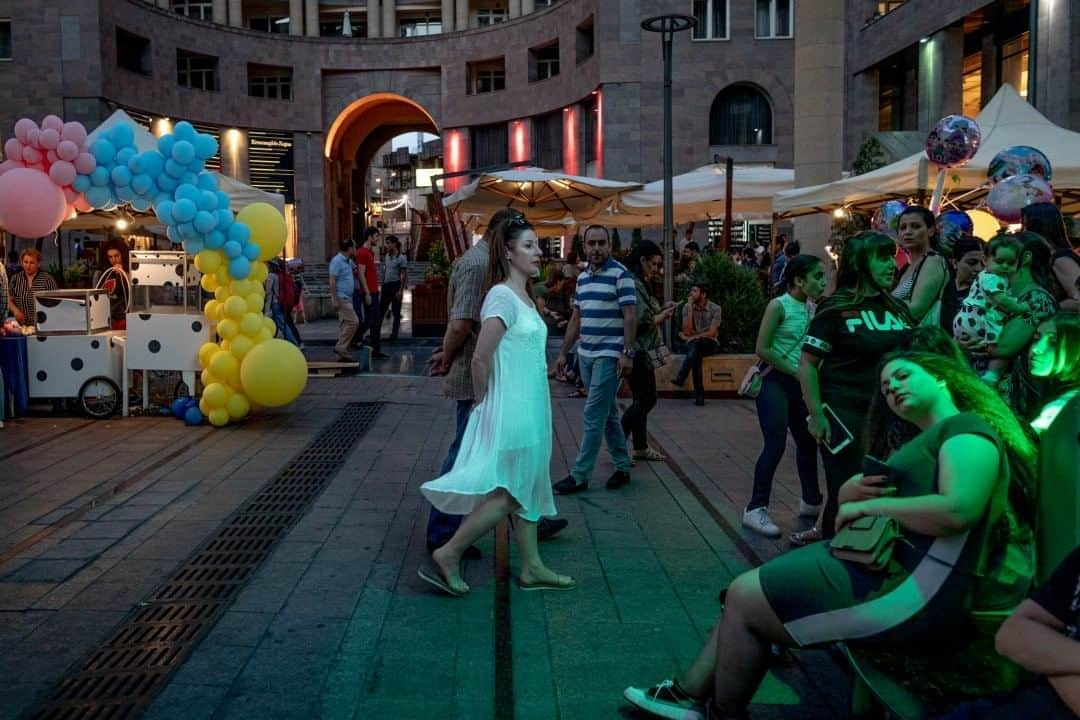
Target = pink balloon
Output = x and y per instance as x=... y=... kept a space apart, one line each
x=40 y=167
x=33 y=138
x=9 y=165
x=23 y=128
x=81 y=205
x=13 y=148
x=50 y=138
x=70 y=195
x=67 y=150
x=85 y=163
x=62 y=173
x=51 y=157
x=75 y=132
x=52 y=122
x=30 y=204
x=31 y=156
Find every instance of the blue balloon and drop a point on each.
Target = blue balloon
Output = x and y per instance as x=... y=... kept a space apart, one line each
x=183 y=152
x=186 y=230
x=189 y=177
x=153 y=163
x=166 y=183
x=174 y=169
x=164 y=211
x=121 y=176
x=173 y=235
x=184 y=210
x=206 y=146
x=207 y=181
x=223 y=200
x=142 y=184
x=207 y=200
x=179 y=407
x=224 y=219
x=193 y=416
x=141 y=204
x=240 y=268
x=124 y=194
x=205 y=221
x=125 y=154
x=188 y=192
x=137 y=165
x=239 y=233
x=193 y=245
x=233 y=249
x=162 y=197
x=122 y=135
x=954 y=222
x=98 y=197
x=184 y=130
x=103 y=151
x=215 y=240
x=251 y=251
x=100 y=177
x=81 y=184
x=165 y=145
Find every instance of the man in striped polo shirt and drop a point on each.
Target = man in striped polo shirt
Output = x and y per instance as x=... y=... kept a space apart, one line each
x=605 y=317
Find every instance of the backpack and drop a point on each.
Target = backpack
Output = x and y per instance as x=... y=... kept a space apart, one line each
x=287 y=293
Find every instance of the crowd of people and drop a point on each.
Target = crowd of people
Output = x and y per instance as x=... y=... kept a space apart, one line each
x=921 y=375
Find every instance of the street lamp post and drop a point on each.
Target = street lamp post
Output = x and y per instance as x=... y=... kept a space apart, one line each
x=667 y=26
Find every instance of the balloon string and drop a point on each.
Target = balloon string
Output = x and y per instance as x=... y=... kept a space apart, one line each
x=939 y=191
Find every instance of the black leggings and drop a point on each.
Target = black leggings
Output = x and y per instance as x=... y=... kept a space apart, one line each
x=643 y=388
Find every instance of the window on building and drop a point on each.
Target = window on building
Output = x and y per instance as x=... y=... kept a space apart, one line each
x=332 y=25
x=270 y=23
x=544 y=62
x=489 y=145
x=197 y=9
x=486 y=76
x=884 y=7
x=712 y=19
x=419 y=25
x=972 y=85
x=740 y=115
x=1014 y=63
x=586 y=40
x=5 y=39
x=269 y=81
x=195 y=70
x=774 y=18
x=548 y=140
x=132 y=52
x=490 y=16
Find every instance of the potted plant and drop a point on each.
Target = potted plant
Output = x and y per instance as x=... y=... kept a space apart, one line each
x=429 y=312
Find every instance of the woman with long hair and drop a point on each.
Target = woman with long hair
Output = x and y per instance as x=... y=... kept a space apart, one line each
x=852 y=329
x=1045 y=219
x=646 y=263
x=502 y=467
x=780 y=407
x=921 y=283
x=959 y=495
x=1054 y=359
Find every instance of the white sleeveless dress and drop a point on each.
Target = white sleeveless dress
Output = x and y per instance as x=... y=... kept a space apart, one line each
x=507 y=442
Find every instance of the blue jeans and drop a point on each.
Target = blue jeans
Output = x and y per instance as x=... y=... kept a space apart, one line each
x=277 y=312
x=441 y=527
x=780 y=408
x=601 y=377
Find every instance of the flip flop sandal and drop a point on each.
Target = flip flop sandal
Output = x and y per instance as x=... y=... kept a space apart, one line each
x=433 y=576
x=557 y=585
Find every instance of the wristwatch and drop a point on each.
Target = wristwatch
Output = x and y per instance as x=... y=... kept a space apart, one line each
x=629 y=352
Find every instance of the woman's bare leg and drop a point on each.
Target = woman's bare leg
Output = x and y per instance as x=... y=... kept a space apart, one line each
x=480 y=521
x=532 y=567
x=698 y=680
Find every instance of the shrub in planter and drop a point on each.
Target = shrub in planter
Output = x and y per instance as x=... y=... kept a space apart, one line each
x=738 y=293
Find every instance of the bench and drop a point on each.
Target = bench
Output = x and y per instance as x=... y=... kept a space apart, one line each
x=916 y=685
x=721 y=375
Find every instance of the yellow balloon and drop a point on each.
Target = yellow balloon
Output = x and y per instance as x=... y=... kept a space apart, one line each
x=212 y=310
x=269 y=324
x=250 y=324
x=222 y=275
x=204 y=406
x=255 y=302
x=225 y=345
x=242 y=287
x=267 y=227
x=264 y=335
x=206 y=352
x=237 y=406
x=209 y=283
x=240 y=346
x=228 y=329
x=207 y=261
x=986 y=226
x=221 y=293
x=223 y=364
x=219 y=417
x=274 y=373
x=216 y=395
x=207 y=378
x=259 y=272
x=235 y=307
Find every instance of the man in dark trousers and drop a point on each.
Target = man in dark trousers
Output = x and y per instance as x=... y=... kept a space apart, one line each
x=368 y=288
x=395 y=278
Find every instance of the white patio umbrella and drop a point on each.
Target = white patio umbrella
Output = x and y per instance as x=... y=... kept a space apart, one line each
x=346 y=25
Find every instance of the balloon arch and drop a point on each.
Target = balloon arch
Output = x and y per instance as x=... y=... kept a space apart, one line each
x=53 y=171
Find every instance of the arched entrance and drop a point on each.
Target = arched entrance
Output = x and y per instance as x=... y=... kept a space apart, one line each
x=354 y=137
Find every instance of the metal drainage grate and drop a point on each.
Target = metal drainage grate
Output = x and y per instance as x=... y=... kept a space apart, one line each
x=122 y=677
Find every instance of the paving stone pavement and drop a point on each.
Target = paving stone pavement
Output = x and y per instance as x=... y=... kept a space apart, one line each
x=335 y=623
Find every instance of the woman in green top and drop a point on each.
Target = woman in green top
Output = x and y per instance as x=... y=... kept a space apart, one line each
x=1054 y=359
x=960 y=492
x=646 y=263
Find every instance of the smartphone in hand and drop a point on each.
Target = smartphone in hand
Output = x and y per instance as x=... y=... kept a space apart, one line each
x=839 y=436
x=873 y=466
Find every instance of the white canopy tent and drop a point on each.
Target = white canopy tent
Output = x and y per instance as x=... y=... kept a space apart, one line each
x=1007 y=120
x=699 y=195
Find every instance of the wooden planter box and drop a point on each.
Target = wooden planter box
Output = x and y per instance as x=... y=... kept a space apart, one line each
x=721 y=375
x=429 y=311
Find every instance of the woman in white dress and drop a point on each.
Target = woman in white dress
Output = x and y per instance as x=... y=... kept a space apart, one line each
x=503 y=466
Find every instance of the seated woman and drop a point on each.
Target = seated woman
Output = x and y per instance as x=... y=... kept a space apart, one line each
x=1054 y=358
x=955 y=490
x=23 y=286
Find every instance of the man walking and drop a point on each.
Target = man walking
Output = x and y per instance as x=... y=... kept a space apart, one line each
x=369 y=281
x=341 y=293
x=395 y=278
x=465 y=297
x=605 y=316
x=699 y=331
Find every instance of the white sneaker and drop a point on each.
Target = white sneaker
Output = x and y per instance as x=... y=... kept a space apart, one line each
x=759 y=521
x=811 y=511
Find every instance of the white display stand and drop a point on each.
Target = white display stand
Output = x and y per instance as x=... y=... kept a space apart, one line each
x=62 y=366
x=72 y=312
x=163 y=340
x=161 y=268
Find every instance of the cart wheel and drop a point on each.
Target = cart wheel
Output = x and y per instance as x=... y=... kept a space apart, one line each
x=99 y=397
x=181 y=390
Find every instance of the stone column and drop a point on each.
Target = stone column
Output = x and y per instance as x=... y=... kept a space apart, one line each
x=447 y=16
x=941 y=74
x=221 y=12
x=236 y=13
x=311 y=18
x=819 y=107
x=528 y=7
x=374 y=18
x=310 y=194
x=389 y=19
x=296 y=17
x=988 y=74
x=515 y=9
x=1057 y=61
x=462 y=20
